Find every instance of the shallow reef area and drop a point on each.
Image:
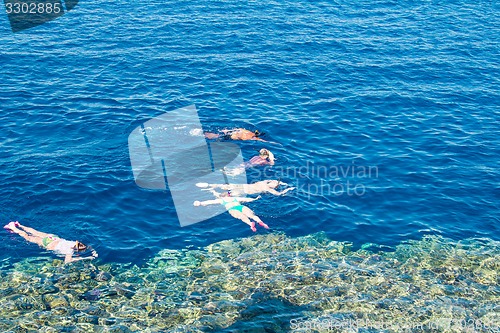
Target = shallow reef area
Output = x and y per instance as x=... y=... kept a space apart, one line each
x=264 y=283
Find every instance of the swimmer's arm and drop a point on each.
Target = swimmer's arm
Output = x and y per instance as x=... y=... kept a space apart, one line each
x=248 y=199
x=273 y=191
x=259 y=139
x=207 y=202
x=211 y=190
x=69 y=258
x=213 y=186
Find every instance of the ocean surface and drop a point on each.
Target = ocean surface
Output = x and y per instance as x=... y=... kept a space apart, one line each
x=386 y=117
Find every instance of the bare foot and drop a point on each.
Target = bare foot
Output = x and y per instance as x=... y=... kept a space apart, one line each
x=262 y=224
x=10 y=226
x=254 y=229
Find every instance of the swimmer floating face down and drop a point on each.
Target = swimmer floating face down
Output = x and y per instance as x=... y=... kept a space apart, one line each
x=236 y=134
x=50 y=242
x=235 y=208
x=263 y=186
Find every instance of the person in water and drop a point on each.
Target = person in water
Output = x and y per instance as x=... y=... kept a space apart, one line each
x=265 y=157
x=235 y=208
x=50 y=242
x=264 y=186
x=236 y=134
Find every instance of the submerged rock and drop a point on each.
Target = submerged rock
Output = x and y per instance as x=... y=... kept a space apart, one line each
x=103 y=276
x=253 y=281
x=92 y=295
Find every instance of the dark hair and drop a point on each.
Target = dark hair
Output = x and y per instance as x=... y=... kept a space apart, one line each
x=257 y=133
x=79 y=246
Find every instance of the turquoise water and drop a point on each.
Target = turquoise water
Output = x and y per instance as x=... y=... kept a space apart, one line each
x=386 y=115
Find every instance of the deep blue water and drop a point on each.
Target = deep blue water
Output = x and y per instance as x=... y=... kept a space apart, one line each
x=408 y=90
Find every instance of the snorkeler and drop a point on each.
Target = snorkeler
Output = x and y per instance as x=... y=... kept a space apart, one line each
x=236 y=134
x=265 y=157
x=50 y=242
x=235 y=208
x=264 y=186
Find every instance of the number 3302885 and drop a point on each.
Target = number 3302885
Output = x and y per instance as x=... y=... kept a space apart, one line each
x=33 y=8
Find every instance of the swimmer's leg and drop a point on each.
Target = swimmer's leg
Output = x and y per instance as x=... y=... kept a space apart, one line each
x=29 y=238
x=214 y=186
x=34 y=232
x=249 y=213
x=239 y=215
x=235 y=171
x=225 y=187
x=211 y=136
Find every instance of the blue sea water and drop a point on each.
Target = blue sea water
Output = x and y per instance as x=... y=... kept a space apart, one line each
x=405 y=93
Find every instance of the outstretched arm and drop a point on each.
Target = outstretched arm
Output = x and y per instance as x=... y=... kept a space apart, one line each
x=208 y=187
x=207 y=202
x=214 y=192
x=248 y=199
x=69 y=258
x=259 y=139
x=273 y=191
